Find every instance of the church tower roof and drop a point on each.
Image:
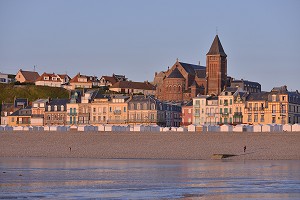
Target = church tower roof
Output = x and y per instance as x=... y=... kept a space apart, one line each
x=216 y=48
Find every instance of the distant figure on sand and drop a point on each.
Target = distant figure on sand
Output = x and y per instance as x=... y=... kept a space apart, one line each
x=70 y=149
x=245 y=148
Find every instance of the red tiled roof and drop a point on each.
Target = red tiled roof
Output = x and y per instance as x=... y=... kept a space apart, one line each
x=41 y=78
x=111 y=79
x=134 y=85
x=30 y=76
x=75 y=79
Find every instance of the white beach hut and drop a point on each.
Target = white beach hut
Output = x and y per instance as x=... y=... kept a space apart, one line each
x=18 y=128
x=27 y=128
x=166 y=129
x=46 y=128
x=139 y=128
x=239 y=128
x=257 y=128
x=108 y=127
x=131 y=129
x=287 y=127
x=53 y=128
x=226 y=128
x=174 y=128
x=267 y=128
x=181 y=129
x=296 y=127
x=101 y=127
x=191 y=128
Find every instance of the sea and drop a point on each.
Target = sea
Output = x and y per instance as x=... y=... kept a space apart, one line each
x=79 y=178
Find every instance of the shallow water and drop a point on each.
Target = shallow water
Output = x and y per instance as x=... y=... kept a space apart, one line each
x=46 y=178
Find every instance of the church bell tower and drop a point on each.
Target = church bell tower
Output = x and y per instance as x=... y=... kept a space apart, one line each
x=216 y=68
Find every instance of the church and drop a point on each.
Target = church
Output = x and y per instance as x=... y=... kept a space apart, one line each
x=183 y=81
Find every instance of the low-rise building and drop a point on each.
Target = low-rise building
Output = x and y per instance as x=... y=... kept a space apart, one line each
x=56 y=112
x=143 y=109
x=52 y=80
x=27 y=76
x=38 y=111
x=130 y=87
x=80 y=81
x=6 y=78
x=20 y=117
x=187 y=113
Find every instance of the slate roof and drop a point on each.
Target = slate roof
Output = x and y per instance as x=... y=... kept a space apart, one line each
x=216 y=48
x=175 y=74
x=58 y=103
x=30 y=76
x=190 y=68
x=22 y=112
x=260 y=96
x=133 y=85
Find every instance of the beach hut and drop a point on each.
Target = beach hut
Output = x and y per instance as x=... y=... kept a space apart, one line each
x=181 y=129
x=257 y=128
x=108 y=127
x=154 y=128
x=27 y=128
x=296 y=127
x=213 y=128
x=147 y=128
x=131 y=129
x=53 y=128
x=174 y=128
x=287 y=127
x=18 y=128
x=267 y=128
x=226 y=128
x=239 y=128
x=46 y=128
x=101 y=127
x=139 y=128
x=127 y=128
x=277 y=127
x=191 y=128
x=248 y=128
x=73 y=128
x=1 y=128
x=166 y=129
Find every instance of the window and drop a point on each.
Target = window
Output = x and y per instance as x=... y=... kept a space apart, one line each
x=71 y=109
x=283 y=98
x=12 y=119
x=124 y=109
x=273 y=97
x=221 y=111
x=273 y=108
x=138 y=106
x=255 y=118
x=220 y=101
x=153 y=106
x=110 y=109
x=94 y=109
x=230 y=101
x=104 y=110
x=249 y=118
x=190 y=111
x=225 y=110
x=273 y=119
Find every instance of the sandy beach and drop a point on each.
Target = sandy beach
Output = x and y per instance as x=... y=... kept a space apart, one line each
x=146 y=145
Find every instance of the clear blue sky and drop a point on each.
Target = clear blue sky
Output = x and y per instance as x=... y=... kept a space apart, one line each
x=138 y=38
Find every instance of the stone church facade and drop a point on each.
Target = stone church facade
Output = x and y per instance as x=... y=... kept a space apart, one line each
x=183 y=81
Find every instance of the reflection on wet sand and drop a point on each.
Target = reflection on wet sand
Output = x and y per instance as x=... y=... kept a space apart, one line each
x=148 y=179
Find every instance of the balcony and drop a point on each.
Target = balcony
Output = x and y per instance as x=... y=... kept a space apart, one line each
x=37 y=116
x=197 y=114
x=238 y=114
x=72 y=114
x=197 y=106
x=117 y=112
x=225 y=114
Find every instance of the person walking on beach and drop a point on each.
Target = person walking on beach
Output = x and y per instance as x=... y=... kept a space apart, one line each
x=70 y=149
x=245 y=148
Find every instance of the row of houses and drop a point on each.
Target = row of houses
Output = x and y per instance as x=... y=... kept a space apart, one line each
x=236 y=106
x=92 y=107
x=116 y=83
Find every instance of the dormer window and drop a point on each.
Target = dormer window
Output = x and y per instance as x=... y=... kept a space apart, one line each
x=55 y=108
x=62 y=108
x=49 y=108
x=273 y=97
x=46 y=78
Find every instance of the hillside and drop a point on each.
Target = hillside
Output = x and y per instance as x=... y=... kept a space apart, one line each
x=9 y=91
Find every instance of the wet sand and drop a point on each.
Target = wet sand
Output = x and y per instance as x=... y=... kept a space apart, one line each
x=147 y=145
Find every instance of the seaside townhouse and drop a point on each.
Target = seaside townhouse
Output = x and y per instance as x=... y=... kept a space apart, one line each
x=21 y=117
x=56 y=112
x=9 y=108
x=284 y=106
x=238 y=107
x=118 y=109
x=99 y=109
x=256 y=109
x=145 y=109
x=187 y=113
x=72 y=108
x=226 y=104
x=38 y=111
x=172 y=114
x=205 y=109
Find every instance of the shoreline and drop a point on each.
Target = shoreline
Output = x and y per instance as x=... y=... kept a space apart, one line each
x=149 y=145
